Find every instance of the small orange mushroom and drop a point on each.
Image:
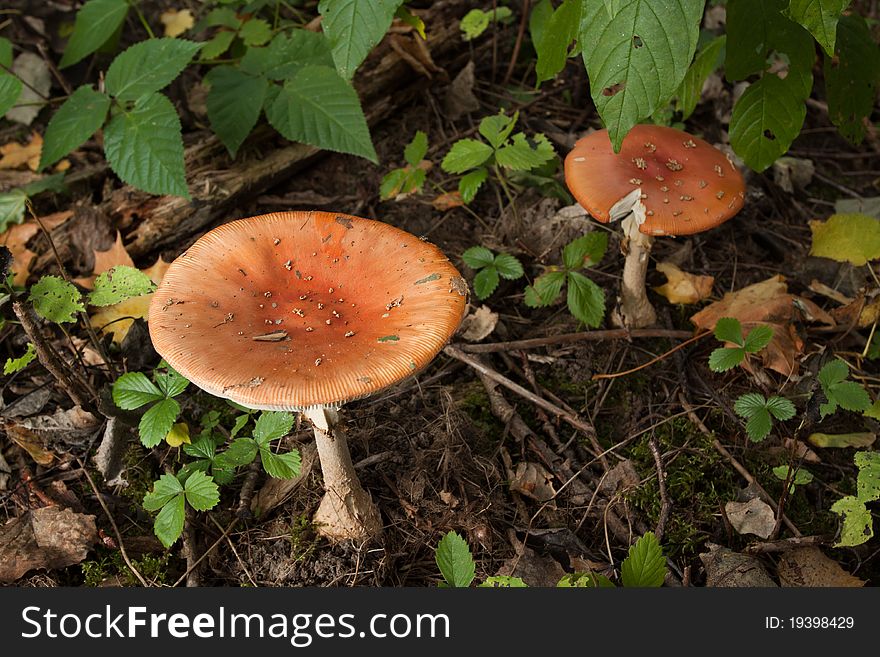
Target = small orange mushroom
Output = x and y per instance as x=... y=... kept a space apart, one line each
x=306 y=311
x=663 y=182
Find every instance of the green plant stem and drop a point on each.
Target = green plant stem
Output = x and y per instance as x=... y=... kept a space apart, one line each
x=143 y=19
x=507 y=193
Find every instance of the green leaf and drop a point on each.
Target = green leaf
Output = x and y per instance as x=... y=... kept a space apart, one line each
x=478 y=257
x=833 y=372
x=416 y=150
x=497 y=128
x=851 y=78
x=272 y=425
x=144 y=147
x=851 y=396
x=464 y=155
x=165 y=489
x=75 y=121
x=14 y=365
x=868 y=486
x=759 y=425
x=56 y=300
x=781 y=408
x=148 y=66
x=508 y=266
x=475 y=22
x=133 y=390
x=203 y=448
x=691 y=88
x=765 y=121
x=280 y=466
x=851 y=238
x=10 y=90
x=539 y=18
x=645 y=565
x=353 y=28
x=118 y=284
x=201 y=491
x=240 y=421
x=524 y=154
x=454 y=560
x=319 y=108
x=503 y=582
x=838 y=391
x=758 y=338
x=636 y=54
x=408 y=18
x=157 y=421
x=748 y=404
x=585 y=251
x=726 y=358
x=218 y=44
x=392 y=184
x=289 y=53
x=586 y=300
x=224 y=16
x=171 y=383
x=819 y=17
x=801 y=477
x=857 y=522
x=470 y=183
x=96 y=22
x=12 y=205
x=241 y=452
x=585 y=580
x=485 y=282
x=553 y=45
x=234 y=103
x=255 y=32
x=545 y=290
x=168 y=525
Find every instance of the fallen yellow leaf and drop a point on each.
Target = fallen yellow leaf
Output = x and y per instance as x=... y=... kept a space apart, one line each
x=17 y=155
x=176 y=22
x=683 y=287
x=178 y=435
x=17 y=237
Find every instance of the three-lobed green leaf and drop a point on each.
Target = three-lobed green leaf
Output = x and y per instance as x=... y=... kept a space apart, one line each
x=838 y=391
x=760 y=412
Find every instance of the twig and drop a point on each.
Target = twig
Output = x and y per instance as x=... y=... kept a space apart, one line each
x=653 y=360
x=190 y=544
x=566 y=338
x=235 y=552
x=518 y=44
x=247 y=492
x=223 y=536
x=786 y=544
x=119 y=541
x=665 y=503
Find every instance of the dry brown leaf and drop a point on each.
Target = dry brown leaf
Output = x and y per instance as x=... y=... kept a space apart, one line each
x=17 y=155
x=809 y=567
x=479 y=323
x=106 y=260
x=38 y=433
x=176 y=22
x=17 y=237
x=533 y=480
x=157 y=270
x=44 y=538
x=30 y=442
x=683 y=287
x=447 y=201
x=752 y=517
x=726 y=568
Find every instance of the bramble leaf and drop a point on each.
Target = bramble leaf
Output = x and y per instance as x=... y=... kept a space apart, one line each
x=852 y=77
x=14 y=365
x=96 y=22
x=453 y=557
x=118 y=284
x=354 y=27
x=56 y=300
x=201 y=492
x=157 y=422
x=234 y=103
x=75 y=121
x=147 y=67
x=465 y=154
x=508 y=266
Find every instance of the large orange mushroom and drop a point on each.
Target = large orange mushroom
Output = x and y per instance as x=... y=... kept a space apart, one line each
x=306 y=311
x=662 y=182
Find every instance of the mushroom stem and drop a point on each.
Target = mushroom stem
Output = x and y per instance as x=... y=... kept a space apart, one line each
x=346 y=511
x=634 y=309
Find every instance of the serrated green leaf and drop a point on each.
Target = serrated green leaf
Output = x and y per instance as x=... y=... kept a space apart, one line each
x=781 y=408
x=851 y=238
x=118 y=284
x=586 y=300
x=416 y=150
x=525 y=154
x=636 y=54
x=486 y=282
x=851 y=77
x=12 y=205
x=868 y=486
x=96 y=22
x=645 y=565
x=497 y=128
x=832 y=372
x=464 y=155
x=289 y=53
x=171 y=383
x=508 y=266
x=201 y=491
x=851 y=396
x=75 y=122
x=218 y=44
x=585 y=251
x=475 y=22
x=168 y=525
x=280 y=466
x=478 y=257
x=585 y=580
x=858 y=526
x=801 y=477
x=819 y=17
x=241 y=451
x=353 y=28
x=470 y=183
x=272 y=425
x=14 y=365
x=758 y=338
x=10 y=90
x=748 y=404
x=240 y=421
x=319 y=108
x=453 y=557
x=765 y=121
x=144 y=147
x=234 y=103
x=759 y=425
x=147 y=67
x=157 y=422
x=728 y=329
x=133 y=390
x=554 y=44
x=723 y=359
x=392 y=184
x=203 y=448
x=165 y=489
x=255 y=32
x=502 y=582
x=224 y=16
x=691 y=88
x=545 y=290
x=56 y=300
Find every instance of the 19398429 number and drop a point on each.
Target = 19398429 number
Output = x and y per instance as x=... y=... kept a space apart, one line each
x=821 y=622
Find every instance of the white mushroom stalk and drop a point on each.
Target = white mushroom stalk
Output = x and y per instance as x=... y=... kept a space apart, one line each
x=634 y=309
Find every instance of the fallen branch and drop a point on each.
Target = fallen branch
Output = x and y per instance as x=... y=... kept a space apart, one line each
x=567 y=338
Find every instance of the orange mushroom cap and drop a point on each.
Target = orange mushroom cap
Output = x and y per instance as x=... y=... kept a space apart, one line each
x=687 y=185
x=296 y=310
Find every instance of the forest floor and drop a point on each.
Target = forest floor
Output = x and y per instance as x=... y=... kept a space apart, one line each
x=536 y=494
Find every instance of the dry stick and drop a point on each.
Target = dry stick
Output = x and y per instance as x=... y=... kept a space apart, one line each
x=665 y=503
x=653 y=360
x=223 y=536
x=518 y=44
x=786 y=544
x=572 y=419
x=190 y=544
x=119 y=540
x=235 y=552
x=566 y=338
x=66 y=376
x=736 y=464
